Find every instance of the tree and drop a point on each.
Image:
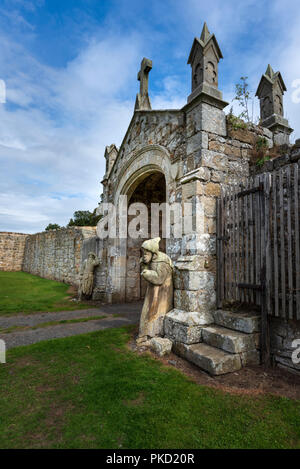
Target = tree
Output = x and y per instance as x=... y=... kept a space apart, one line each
x=52 y=226
x=243 y=95
x=84 y=218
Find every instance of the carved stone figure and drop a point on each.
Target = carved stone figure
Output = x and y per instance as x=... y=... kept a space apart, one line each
x=157 y=270
x=87 y=275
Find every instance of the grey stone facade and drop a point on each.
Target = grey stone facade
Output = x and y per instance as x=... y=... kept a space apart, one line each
x=56 y=254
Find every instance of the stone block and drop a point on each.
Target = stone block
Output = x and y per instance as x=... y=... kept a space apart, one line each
x=243 y=135
x=213 y=120
x=228 y=340
x=204 y=244
x=184 y=327
x=210 y=359
x=214 y=190
x=181 y=333
x=216 y=146
x=161 y=346
x=193 y=280
x=194 y=318
x=242 y=322
x=192 y=188
x=194 y=300
x=251 y=357
x=281 y=138
x=232 y=151
x=217 y=176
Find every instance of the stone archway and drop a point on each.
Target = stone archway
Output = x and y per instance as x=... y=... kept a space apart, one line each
x=151 y=159
x=151 y=189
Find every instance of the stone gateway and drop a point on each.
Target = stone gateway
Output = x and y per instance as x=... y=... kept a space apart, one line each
x=184 y=156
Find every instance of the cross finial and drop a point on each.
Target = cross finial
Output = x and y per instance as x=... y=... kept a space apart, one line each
x=142 y=98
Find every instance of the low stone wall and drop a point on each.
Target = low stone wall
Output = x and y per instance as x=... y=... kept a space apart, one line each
x=12 y=247
x=285 y=156
x=57 y=254
x=283 y=333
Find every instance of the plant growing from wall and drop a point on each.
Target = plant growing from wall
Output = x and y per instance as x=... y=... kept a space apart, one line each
x=243 y=96
x=235 y=122
x=262 y=151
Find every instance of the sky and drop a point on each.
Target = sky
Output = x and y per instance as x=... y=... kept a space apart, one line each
x=70 y=72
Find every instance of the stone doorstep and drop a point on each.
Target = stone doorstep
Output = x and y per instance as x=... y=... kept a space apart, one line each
x=229 y=340
x=181 y=333
x=184 y=327
x=210 y=359
x=242 y=322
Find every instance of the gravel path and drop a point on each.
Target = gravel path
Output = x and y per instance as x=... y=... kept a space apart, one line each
x=129 y=315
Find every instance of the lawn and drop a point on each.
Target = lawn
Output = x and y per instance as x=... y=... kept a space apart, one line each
x=21 y=292
x=91 y=391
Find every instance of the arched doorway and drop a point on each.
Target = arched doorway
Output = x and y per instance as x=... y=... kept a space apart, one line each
x=150 y=188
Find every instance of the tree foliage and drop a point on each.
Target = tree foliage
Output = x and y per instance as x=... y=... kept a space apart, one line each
x=52 y=226
x=84 y=218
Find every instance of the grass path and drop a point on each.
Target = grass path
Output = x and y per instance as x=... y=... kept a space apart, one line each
x=23 y=293
x=91 y=391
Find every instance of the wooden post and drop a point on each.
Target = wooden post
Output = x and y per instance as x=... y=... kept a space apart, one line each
x=265 y=271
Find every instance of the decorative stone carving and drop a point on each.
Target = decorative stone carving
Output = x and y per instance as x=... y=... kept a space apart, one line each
x=157 y=270
x=270 y=94
x=204 y=57
x=87 y=275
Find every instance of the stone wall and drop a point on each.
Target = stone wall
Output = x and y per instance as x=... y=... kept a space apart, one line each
x=280 y=156
x=56 y=254
x=12 y=247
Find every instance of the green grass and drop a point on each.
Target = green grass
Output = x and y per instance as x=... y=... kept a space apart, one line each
x=91 y=391
x=21 y=292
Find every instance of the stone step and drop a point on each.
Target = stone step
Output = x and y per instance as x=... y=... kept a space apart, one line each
x=180 y=326
x=229 y=340
x=242 y=321
x=210 y=359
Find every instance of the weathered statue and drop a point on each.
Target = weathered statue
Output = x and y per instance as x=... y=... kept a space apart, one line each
x=157 y=269
x=87 y=275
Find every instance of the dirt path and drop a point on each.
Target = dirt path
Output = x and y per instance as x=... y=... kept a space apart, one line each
x=116 y=316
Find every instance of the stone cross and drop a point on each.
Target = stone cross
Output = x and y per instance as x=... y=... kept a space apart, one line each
x=142 y=98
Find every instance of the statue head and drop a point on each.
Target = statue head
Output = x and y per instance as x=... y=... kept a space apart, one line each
x=150 y=248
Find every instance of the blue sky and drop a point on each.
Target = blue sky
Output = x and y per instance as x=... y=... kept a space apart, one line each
x=70 y=69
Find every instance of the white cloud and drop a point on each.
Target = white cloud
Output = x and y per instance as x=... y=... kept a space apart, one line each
x=57 y=121
x=54 y=130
